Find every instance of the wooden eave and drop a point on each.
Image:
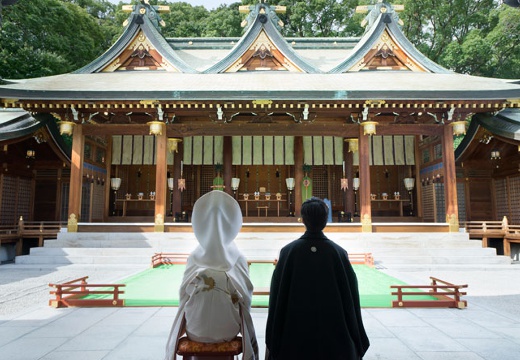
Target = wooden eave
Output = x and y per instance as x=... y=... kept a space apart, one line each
x=503 y=127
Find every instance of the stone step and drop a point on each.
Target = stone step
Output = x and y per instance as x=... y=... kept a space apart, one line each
x=61 y=260
x=440 y=260
x=386 y=248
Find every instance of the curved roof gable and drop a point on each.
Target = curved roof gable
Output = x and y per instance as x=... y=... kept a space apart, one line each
x=384 y=46
x=141 y=47
x=262 y=48
x=16 y=122
x=505 y=124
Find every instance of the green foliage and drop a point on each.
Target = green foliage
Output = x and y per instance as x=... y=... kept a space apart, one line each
x=504 y=39
x=47 y=37
x=320 y=18
x=433 y=25
x=185 y=20
x=224 y=21
x=477 y=37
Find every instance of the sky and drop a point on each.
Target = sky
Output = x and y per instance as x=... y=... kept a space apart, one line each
x=209 y=4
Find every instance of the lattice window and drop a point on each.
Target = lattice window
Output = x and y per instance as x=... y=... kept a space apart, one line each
x=24 y=198
x=85 y=202
x=64 y=207
x=440 y=203
x=501 y=200
x=514 y=199
x=98 y=201
x=461 y=200
x=8 y=211
x=428 y=203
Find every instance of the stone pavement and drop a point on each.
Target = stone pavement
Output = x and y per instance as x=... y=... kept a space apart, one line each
x=488 y=329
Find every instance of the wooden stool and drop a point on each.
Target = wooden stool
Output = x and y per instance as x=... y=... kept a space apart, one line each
x=262 y=207
x=193 y=350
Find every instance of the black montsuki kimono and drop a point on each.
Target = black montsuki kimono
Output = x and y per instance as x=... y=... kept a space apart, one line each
x=314 y=309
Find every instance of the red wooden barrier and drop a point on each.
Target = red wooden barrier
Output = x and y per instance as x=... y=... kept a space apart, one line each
x=72 y=293
x=448 y=295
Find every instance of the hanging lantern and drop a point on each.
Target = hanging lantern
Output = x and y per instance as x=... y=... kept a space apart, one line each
x=459 y=128
x=353 y=145
x=30 y=154
x=290 y=182
x=173 y=144
x=66 y=127
x=344 y=184
x=155 y=127
x=235 y=183
x=181 y=184
x=409 y=183
x=369 y=127
x=115 y=183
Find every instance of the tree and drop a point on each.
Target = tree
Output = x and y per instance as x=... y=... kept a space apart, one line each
x=505 y=44
x=224 y=21
x=185 y=20
x=320 y=18
x=432 y=25
x=47 y=37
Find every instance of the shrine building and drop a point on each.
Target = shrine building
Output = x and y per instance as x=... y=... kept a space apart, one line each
x=154 y=123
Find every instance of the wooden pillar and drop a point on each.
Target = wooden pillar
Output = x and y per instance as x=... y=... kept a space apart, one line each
x=176 y=205
x=418 y=186
x=76 y=178
x=349 y=174
x=298 y=174
x=450 y=179
x=365 y=205
x=228 y=164
x=108 y=168
x=160 y=181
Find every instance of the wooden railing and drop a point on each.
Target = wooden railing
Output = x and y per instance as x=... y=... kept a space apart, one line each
x=179 y=258
x=361 y=258
x=8 y=233
x=168 y=259
x=486 y=229
x=447 y=295
x=512 y=236
x=40 y=230
x=73 y=293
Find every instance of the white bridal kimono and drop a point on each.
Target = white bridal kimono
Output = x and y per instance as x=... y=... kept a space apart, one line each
x=215 y=294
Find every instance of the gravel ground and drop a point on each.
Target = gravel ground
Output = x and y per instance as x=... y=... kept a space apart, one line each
x=23 y=287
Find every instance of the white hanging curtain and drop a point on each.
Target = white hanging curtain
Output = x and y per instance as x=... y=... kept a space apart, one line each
x=203 y=150
x=323 y=150
x=263 y=150
x=135 y=150
x=390 y=150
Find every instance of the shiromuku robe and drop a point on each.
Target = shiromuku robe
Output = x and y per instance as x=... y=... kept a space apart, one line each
x=216 y=292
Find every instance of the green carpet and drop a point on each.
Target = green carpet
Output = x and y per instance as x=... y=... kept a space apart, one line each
x=160 y=286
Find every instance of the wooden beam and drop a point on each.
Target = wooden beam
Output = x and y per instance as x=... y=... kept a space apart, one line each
x=298 y=174
x=208 y=128
x=450 y=177
x=160 y=181
x=228 y=164
x=365 y=203
x=76 y=174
